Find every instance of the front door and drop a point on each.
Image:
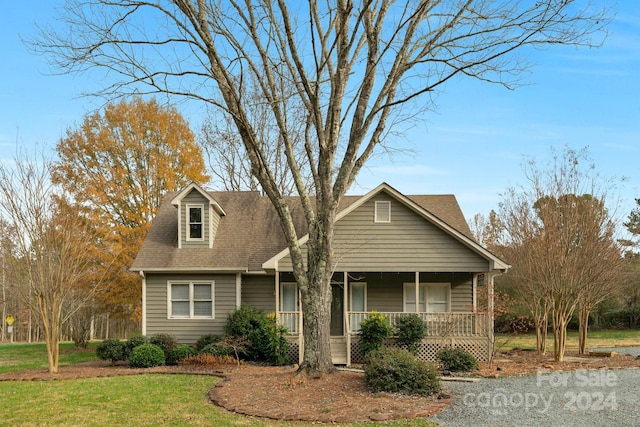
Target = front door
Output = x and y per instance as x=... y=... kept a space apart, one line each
x=337 y=310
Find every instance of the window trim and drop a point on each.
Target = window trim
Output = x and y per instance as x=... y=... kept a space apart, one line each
x=192 y=299
x=188 y=221
x=426 y=286
x=380 y=205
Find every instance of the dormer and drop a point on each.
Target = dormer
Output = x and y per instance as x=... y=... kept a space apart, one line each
x=199 y=215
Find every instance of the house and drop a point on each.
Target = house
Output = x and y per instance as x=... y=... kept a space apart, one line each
x=208 y=252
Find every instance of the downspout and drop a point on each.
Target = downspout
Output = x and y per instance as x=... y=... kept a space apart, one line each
x=238 y=290
x=417 y=290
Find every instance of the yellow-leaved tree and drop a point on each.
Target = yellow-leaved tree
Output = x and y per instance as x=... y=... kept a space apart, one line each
x=118 y=164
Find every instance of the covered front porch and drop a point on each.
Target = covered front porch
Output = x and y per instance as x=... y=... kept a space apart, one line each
x=446 y=302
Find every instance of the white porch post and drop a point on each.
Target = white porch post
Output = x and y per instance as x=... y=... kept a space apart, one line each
x=418 y=292
x=347 y=323
x=474 y=288
x=490 y=318
x=300 y=328
x=277 y=291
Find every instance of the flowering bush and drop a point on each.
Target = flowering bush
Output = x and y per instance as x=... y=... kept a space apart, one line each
x=374 y=330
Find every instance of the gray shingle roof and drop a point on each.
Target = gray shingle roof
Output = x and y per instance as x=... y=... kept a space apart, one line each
x=250 y=233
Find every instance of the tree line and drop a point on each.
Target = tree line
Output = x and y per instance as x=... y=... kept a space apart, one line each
x=562 y=233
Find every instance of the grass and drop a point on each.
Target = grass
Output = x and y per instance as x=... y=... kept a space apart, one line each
x=22 y=356
x=136 y=400
x=613 y=338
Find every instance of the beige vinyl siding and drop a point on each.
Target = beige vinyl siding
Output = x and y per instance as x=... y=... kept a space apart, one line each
x=384 y=290
x=408 y=242
x=210 y=220
x=462 y=296
x=188 y=330
x=259 y=291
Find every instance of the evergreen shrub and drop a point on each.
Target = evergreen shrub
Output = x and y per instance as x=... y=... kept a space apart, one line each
x=133 y=342
x=395 y=370
x=457 y=360
x=410 y=330
x=146 y=356
x=374 y=330
x=166 y=342
x=113 y=350
x=266 y=339
x=180 y=353
x=205 y=340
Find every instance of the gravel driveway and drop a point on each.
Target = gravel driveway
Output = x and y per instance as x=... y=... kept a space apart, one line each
x=556 y=398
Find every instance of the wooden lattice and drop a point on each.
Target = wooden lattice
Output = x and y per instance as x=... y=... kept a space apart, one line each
x=430 y=348
x=427 y=351
x=293 y=353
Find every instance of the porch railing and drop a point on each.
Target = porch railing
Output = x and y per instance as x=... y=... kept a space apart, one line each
x=290 y=320
x=451 y=324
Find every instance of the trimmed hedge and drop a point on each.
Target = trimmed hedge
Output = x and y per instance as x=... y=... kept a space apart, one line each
x=146 y=356
x=180 y=353
x=457 y=360
x=133 y=342
x=395 y=370
x=113 y=350
x=166 y=342
x=410 y=330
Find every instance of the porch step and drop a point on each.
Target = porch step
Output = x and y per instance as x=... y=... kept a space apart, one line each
x=338 y=350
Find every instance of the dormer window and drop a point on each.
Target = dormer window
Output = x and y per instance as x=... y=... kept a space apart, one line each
x=382 y=212
x=195 y=216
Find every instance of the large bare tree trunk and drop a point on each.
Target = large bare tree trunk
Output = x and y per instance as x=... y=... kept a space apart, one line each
x=316 y=295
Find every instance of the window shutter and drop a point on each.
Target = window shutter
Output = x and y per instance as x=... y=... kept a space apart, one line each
x=383 y=212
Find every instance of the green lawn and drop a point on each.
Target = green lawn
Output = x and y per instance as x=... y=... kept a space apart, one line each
x=136 y=400
x=21 y=356
x=614 y=338
x=143 y=400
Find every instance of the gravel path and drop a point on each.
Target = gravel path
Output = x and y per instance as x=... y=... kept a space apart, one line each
x=570 y=398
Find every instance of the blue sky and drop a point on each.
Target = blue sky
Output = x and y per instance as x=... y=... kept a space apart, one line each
x=472 y=146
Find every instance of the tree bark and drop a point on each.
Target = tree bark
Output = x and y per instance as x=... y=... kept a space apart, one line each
x=583 y=316
x=316 y=295
x=541 y=324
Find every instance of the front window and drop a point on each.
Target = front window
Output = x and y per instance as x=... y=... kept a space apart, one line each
x=357 y=304
x=438 y=297
x=432 y=298
x=195 y=222
x=410 y=298
x=358 y=296
x=190 y=300
x=289 y=306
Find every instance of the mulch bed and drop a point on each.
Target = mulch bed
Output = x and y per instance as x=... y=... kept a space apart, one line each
x=279 y=393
